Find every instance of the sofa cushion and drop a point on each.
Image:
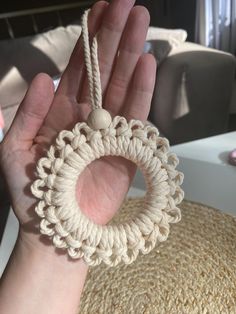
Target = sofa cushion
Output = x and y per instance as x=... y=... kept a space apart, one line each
x=22 y=58
x=159 y=48
x=175 y=37
x=160 y=41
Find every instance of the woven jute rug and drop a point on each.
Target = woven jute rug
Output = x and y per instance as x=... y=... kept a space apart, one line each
x=194 y=271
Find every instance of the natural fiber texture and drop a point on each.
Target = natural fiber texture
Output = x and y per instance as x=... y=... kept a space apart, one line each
x=193 y=272
x=61 y=217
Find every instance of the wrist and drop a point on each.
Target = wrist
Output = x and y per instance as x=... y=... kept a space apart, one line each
x=41 y=248
x=51 y=279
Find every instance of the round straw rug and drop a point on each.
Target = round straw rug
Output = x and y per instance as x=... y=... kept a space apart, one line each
x=194 y=271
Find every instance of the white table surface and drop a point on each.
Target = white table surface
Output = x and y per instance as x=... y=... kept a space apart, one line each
x=209 y=178
x=213 y=149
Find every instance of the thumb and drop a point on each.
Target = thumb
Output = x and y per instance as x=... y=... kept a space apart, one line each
x=31 y=112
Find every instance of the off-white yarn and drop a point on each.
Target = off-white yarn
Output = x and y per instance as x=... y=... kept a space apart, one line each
x=92 y=66
x=61 y=217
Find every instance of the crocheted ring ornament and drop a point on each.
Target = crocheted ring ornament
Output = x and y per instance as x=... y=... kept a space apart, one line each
x=62 y=219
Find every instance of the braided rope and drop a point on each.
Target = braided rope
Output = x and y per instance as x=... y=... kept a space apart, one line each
x=92 y=66
x=58 y=172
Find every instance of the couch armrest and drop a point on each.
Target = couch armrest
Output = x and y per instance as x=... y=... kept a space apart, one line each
x=193 y=91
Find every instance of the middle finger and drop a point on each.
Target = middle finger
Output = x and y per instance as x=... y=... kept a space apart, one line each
x=130 y=50
x=109 y=36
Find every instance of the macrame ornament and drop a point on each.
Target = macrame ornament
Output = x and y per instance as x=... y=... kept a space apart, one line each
x=62 y=219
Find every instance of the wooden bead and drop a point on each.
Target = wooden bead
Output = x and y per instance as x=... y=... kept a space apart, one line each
x=99 y=119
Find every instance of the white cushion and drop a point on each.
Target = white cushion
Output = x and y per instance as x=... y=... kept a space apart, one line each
x=22 y=58
x=159 y=48
x=175 y=37
x=160 y=41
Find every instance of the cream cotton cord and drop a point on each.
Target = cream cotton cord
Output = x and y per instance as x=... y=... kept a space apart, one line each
x=55 y=187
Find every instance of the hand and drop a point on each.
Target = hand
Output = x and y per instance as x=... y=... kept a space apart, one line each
x=127 y=84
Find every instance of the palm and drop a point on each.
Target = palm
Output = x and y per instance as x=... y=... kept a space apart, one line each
x=98 y=178
x=127 y=83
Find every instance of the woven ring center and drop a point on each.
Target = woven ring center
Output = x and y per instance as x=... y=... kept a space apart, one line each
x=62 y=218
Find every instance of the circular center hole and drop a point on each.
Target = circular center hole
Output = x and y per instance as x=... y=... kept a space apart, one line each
x=103 y=186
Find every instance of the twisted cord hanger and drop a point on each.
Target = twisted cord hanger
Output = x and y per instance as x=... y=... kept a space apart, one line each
x=92 y=66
